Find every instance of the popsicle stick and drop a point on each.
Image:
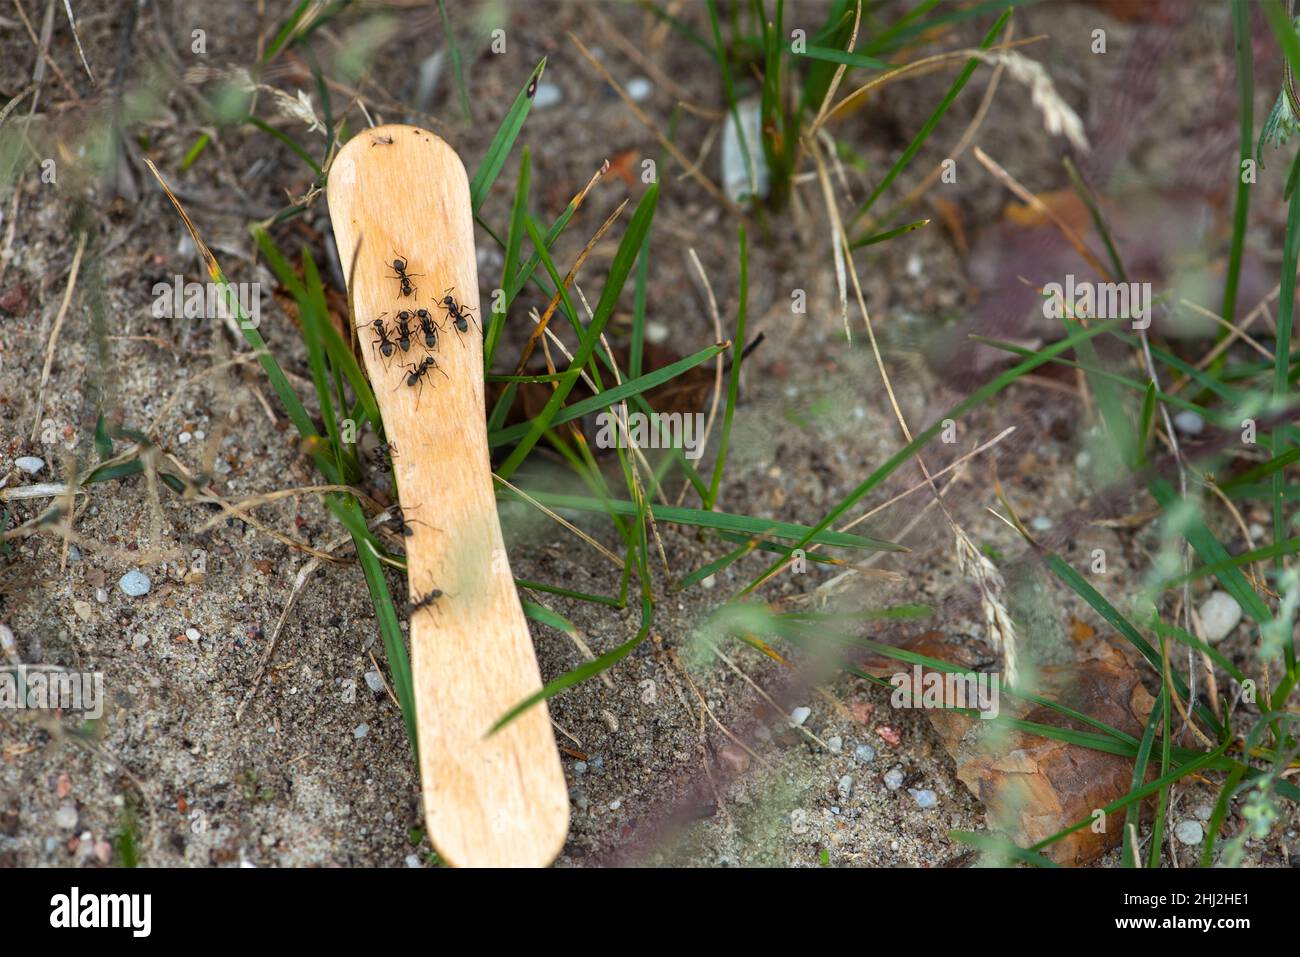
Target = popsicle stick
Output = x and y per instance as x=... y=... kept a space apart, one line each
x=400 y=193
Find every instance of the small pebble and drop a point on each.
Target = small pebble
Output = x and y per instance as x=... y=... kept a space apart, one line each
x=361 y=730
x=835 y=743
x=1203 y=812
x=615 y=804
x=894 y=778
x=597 y=763
x=864 y=753
x=845 y=787
x=412 y=860
x=734 y=758
x=547 y=94
x=29 y=464
x=7 y=642
x=65 y=818
x=375 y=682
x=74 y=553
x=639 y=89
x=798 y=716
x=1220 y=613
x=1189 y=423
x=135 y=583
x=924 y=798
x=1189 y=832
x=83 y=609
x=889 y=735
x=1040 y=523
x=1257 y=532
x=184 y=438
x=657 y=332
x=579 y=767
x=193 y=634
x=101 y=595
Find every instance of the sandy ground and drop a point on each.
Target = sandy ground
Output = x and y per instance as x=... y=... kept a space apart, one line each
x=318 y=771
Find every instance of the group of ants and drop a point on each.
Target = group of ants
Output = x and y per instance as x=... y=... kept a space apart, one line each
x=415 y=325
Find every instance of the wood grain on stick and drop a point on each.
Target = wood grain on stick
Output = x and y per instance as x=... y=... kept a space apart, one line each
x=490 y=800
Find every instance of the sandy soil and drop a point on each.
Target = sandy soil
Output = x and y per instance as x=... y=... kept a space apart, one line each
x=318 y=770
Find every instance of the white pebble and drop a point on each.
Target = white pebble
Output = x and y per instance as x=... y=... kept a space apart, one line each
x=894 y=778
x=65 y=818
x=192 y=634
x=184 y=438
x=798 y=716
x=412 y=860
x=615 y=804
x=1220 y=613
x=639 y=89
x=924 y=798
x=1203 y=812
x=864 y=753
x=30 y=464
x=1189 y=832
x=135 y=583
x=547 y=94
x=845 y=787
x=375 y=681
x=835 y=743
x=361 y=730
x=1189 y=423
x=7 y=642
x=1040 y=523
x=101 y=595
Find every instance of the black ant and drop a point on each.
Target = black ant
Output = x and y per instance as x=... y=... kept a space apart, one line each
x=404 y=279
x=424 y=602
x=398 y=523
x=427 y=327
x=404 y=330
x=381 y=339
x=418 y=373
x=457 y=313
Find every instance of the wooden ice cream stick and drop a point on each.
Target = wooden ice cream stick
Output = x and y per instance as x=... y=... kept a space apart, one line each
x=399 y=193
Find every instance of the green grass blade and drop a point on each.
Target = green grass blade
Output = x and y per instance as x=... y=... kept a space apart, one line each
x=618 y=273
x=924 y=133
x=704 y=518
x=504 y=141
x=733 y=384
x=453 y=50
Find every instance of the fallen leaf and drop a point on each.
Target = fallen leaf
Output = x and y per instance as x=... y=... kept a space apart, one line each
x=1033 y=786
